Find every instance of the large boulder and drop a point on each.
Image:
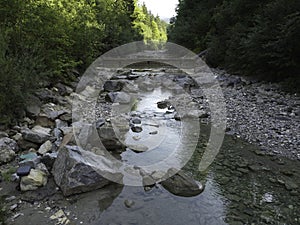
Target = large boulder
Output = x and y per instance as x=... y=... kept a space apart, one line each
x=182 y=185
x=37 y=135
x=8 y=147
x=77 y=171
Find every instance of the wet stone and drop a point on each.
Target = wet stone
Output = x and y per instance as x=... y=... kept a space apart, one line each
x=163 y=104
x=138 y=148
x=136 y=129
x=136 y=121
x=129 y=203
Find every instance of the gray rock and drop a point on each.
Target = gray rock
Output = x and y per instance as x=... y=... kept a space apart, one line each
x=17 y=136
x=182 y=185
x=3 y=134
x=26 y=145
x=136 y=121
x=47 y=95
x=59 y=123
x=8 y=149
x=34 y=180
x=31 y=159
x=23 y=171
x=118 y=97
x=45 y=148
x=129 y=203
x=66 y=117
x=100 y=122
x=110 y=97
x=163 y=104
x=37 y=135
x=33 y=106
x=44 y=121
x=123 y=98
x=112 y=86
x=136 y=129
x=79 y=171
x=109 y=139
x=49 y=159
x=49 y=113
x=63 y=90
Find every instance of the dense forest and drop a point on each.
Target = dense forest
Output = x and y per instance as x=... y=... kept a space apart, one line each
x=45 y=41
x=248 y=37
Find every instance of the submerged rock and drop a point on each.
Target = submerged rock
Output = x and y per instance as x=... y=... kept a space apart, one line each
x=79 y=171
x=182 y=185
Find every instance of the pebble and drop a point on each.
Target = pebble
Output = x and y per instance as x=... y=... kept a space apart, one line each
x=129 y=203
x=263 y=114
x=13 y=207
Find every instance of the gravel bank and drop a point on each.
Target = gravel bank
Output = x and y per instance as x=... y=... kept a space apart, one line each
x=262 y=114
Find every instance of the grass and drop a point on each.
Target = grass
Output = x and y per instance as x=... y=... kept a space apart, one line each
x=7 y=173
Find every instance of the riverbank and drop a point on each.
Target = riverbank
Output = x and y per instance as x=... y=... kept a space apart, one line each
x=254 y=109
x=262 y=113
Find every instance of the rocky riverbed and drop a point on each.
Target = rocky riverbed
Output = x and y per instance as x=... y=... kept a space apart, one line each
x=263 y=114
x=47 y=178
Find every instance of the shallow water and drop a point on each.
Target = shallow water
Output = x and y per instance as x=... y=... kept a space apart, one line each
x=242 y=186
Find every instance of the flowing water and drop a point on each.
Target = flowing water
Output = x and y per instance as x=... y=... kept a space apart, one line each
x=242 y=186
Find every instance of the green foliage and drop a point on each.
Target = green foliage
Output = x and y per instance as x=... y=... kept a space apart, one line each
x=42 y=40
x=251 y=37
x=152 y=29
x=8 y=173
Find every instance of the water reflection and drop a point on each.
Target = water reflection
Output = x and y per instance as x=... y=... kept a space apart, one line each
x=160 y=207
x=243 y=185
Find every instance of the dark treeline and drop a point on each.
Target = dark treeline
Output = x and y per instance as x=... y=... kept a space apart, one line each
x=249 y=37
x=43 y=41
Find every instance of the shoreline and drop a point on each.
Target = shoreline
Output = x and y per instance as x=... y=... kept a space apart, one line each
x=261 y=113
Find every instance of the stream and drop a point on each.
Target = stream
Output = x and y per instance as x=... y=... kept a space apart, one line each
x=242 y=186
